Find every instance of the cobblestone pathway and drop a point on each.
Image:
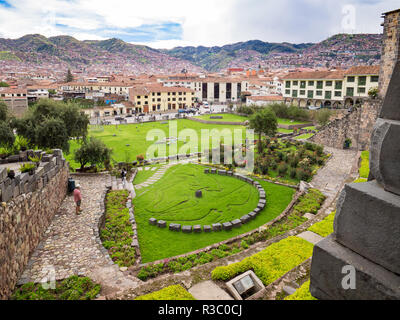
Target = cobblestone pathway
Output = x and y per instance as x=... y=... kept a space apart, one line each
x=70 y=245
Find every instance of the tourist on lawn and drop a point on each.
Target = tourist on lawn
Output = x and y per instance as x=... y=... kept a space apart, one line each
x=123 y=175
x=78 y=199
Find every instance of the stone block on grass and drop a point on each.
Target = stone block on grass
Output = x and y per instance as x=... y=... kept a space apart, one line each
x=227 y=226
x=245 y=219
x=217 y=227
x=252 y=215
x=197 y=229
x=207 y=229
x=236 y=223
x=187 y=229
x=153 y=221
x=162 y=224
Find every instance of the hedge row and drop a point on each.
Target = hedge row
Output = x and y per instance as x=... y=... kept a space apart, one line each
x=271 y=263
x=117 y=232
x=325 y=227
x=303 y=293
x=169 y=293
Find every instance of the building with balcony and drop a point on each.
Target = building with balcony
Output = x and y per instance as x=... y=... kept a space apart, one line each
x=332 y=89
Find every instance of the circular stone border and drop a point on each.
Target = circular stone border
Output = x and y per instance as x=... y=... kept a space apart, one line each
x=216 y=227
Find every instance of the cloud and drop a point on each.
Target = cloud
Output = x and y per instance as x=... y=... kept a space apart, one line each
x=181 y=22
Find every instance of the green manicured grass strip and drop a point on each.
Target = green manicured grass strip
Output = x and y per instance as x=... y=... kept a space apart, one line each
x=304 y=136
x=364 y=169
x=290 y=122
x=172 y=198
x=169 y=293
x=360 y=180
x=271 y=263
x=226 y=118
x=73 y=288
x=117 y=232
x=303 y=293
x=325 y=227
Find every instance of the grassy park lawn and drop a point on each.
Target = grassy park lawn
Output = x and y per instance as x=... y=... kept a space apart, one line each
x=224 y=199
x=129 y=141
x=290 y=122
x=304 y=136
x=226 y=117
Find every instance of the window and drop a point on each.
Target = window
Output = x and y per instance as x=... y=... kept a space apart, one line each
x=338 y=85
x=319 y=93
x=302 y=92
x=311 y=83
x=329 y=83
x=351 y=79
x=310 y=94
x=362 y=81
x=338 y=93
x=302 y=84
x=295 y=93
x=374 y=78
x=328 y=94
x=350 y=92
x=295 y=83
x=287 y=91
x=320 y=85
x=361 y=90
x=287 y=84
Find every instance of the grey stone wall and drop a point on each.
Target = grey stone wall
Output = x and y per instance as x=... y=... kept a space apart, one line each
x=357 y=126
x=28 y=205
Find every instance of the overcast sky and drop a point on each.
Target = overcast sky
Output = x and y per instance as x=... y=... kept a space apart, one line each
x=169 y=23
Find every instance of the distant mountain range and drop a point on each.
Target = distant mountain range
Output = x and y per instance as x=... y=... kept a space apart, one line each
x=341 y=49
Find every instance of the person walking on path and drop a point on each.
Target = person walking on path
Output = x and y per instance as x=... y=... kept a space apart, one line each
x=78 y=199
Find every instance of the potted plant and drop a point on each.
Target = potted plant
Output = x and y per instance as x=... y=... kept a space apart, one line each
x=28 y=168
x=36 y=160
x=21 y=143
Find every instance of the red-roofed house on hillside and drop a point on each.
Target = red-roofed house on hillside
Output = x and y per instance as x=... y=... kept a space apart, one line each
x=15 y=99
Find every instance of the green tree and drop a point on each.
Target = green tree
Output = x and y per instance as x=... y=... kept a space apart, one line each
x=264 y=122
x=52 y=133
x=7 y=137
x=3 y=111
x=69 y=77
x=4 y=84
x=93 y=151
x=75 y=122
x=323 y=116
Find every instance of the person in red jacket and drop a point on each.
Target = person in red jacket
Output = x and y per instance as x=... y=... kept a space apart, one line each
x=78 y=199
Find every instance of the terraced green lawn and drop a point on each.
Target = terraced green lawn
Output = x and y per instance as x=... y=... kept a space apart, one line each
x=290 y=122
x=129 y=141
x=224 y=199
x=144 y=175
x=226 y=117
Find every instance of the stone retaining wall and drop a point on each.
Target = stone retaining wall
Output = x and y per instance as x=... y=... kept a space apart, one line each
x=357 y=126
x=28 y=205
x=227 y=123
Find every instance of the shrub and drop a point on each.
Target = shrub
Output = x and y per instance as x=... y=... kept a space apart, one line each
x=6 y=135
x=325 y=227
x=364 y=169
x=323 y=116
x=94 y=152
x=117 y=232
x=176 y=292
x=303 y=293
x=271 y=263
x=282 y=169
x=309 y=203
x=27 y=167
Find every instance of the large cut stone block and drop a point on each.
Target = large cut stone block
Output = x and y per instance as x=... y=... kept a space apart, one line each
x=391 y=104
x=385 y=154
x=217 y=227
x=372 y=281
x=368 y=222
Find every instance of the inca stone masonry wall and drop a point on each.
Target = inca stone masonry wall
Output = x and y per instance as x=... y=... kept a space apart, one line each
x=25 y=217
x=356 y=126
x=390 y=49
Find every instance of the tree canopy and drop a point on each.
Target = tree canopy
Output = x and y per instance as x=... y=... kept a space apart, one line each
x=50 y=124
x=264 y=122
x=93 y=151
